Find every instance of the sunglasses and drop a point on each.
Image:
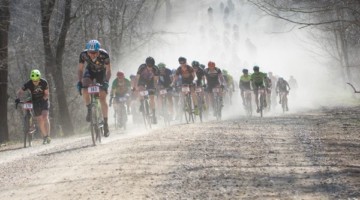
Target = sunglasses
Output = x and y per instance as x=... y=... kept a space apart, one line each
x=92 y=52
x=182 y=63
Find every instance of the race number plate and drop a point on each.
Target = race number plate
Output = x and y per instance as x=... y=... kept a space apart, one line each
x=144 y=93
x=185 y=89
x=216 y=90
x=28 y=106
x=162 y=92
x=93 y=89
x=198 y=89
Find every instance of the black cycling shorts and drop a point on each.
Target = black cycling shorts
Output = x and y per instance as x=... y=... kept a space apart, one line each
x=39 y=106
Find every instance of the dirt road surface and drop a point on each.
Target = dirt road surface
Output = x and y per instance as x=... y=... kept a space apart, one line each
x=309 y=155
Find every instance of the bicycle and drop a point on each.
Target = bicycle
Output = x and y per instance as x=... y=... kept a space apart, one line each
x=248 y=102
x=199 y=90
x=217 y=102
x=120 y=114
x=29 y=126
x=145 y=108
x=262 y=99
x=164 y=111
x=96 y=123
x=187 y=103
x=284 y=101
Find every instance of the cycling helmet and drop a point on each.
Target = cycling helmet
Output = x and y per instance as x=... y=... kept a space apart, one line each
x=195 y=63
x=35 y=75
x=150 y=61
x=161 y=66
x=182 y=60
x=93 y=45
x=211 y=64
x=224 y=71
x=202 y=66
x=132 y=76
x=120 y=74
x=245 y=71
x=256 y=68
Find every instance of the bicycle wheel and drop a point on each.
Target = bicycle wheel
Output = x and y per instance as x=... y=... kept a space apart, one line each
x=26 y=128
x=190 y=110
x=261 y=105
x=95 y=132
x=200 y=107
x=148 y=115
x=186 y=110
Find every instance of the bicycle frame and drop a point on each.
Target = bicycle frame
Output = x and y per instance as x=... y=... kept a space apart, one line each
x=120 y=112
x=262 y=98
x=187 y=103
x=145 y=108
x=163 y=95
x=200 y=96
x=248 y=100
x=217 y=104
x=96 y=126
x=28 y=122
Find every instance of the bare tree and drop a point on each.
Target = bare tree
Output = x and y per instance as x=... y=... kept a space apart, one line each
x=4 y=30
x=54 y=56
x=341 y=19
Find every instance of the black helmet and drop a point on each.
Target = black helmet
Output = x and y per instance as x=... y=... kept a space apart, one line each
x=182 y=59
x=256 y=68
x=245 y=71
x=195 y=63
x=202 y=66
x=150 y=61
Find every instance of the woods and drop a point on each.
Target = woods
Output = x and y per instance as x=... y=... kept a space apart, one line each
x=49 y=35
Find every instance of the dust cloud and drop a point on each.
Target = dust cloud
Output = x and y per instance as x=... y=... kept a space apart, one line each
x=236 y=35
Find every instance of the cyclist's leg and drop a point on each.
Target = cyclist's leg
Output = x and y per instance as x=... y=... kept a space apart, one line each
x=170 y=104
x=242 y=96
x=41 y=111
x=152 y=104
x=194 y=99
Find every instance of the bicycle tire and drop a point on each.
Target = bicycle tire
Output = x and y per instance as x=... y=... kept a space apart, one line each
x=26 y=128
x=185 y=110
x=148 y=116
x=95 y=133
x=200 y=107
x=190 y=110
x=261 y=105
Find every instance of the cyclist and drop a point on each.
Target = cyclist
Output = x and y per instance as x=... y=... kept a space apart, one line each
x=120 y=88
x=147 y=78
x=268 y=86
x=244 y=84
x=229 y=80
x=98 y=68
x=187 y=74
x=200 y=77
x=39 y=89
x=283 y=86
x=165 y=80
x=293 y=84
x=214 y=78
x=257 y=81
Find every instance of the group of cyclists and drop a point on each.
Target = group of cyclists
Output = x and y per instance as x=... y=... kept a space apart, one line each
x=94 y=66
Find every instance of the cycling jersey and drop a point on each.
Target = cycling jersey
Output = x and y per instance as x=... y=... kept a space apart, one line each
x=120 y=87
x=187 y=74
x=212 y=77
x=165 y=78
x=200 y=73
x=95 y=69
x=282 y=86
x=229 y=80
x=37 y=94
x=147 y=75
x=244 y=82
x=258 y=79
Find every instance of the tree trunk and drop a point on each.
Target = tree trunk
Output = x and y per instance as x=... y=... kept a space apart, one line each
x=4 y=30
x=55 y=63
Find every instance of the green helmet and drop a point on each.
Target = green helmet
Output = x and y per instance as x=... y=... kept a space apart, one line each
x=35 y=75
x=224 y=71
x=161 y=65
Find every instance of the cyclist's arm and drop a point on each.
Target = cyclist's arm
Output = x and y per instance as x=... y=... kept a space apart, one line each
x=136 y=81
x=222 y=80
x=20 y=93
x=46 y=94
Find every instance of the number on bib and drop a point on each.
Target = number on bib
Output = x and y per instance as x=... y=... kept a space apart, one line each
x=28 y=106
x=93 y=89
